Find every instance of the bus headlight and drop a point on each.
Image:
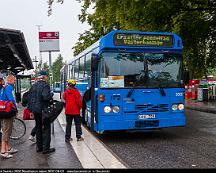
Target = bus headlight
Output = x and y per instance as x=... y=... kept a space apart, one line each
x=107 y=109
x=175 y=107
x=181 y=107
x=116 y=109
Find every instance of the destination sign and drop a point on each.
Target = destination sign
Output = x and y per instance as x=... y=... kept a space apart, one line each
x=129 y=39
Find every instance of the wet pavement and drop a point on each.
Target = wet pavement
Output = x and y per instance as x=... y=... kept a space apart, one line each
x=27 y=157
x=209 y=106
x=65 y=157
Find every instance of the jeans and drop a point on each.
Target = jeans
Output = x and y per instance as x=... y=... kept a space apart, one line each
x=43 y=133
x=69 y=120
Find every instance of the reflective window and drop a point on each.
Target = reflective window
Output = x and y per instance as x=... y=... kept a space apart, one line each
x=88 y=65
x=82 y=67
x=76 y=69
x=148 y=70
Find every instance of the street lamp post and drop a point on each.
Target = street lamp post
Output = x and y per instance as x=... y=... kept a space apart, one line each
x=40 y=54
x=35 y=60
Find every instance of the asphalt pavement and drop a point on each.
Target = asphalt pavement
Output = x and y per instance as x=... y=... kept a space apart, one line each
x=209 y=106
x=64 y=157
x=192 y=146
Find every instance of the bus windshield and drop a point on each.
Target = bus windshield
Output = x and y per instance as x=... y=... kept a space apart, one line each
x=144 y=70
x=57 y=84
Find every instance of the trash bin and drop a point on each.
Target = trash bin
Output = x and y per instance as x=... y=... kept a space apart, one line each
x=202 y=94
x=205 y=94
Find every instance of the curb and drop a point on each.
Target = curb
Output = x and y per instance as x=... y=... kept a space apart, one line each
x=201 y=109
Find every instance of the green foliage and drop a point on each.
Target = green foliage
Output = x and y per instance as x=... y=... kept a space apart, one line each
x=50 y=2
x=56 y=67
x=193 y=20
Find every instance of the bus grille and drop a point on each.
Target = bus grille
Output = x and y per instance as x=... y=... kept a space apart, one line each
x=149 y=123
x=153 y=108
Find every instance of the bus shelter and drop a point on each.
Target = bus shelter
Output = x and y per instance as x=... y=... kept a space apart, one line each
x=14 y=56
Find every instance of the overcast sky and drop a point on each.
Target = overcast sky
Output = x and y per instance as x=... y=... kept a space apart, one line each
x=24 y=15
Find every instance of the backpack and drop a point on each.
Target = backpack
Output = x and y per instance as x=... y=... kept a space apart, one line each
x=7 y=108
x=25 y=99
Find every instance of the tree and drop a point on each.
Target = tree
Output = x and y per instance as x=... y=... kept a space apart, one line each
x=45 y=67
x=194 y=21
x=56 y=67
x=50 y=2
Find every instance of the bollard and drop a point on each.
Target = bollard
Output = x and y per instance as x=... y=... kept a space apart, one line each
x=194 y=92
x=214 y=92
x=200 y=94
x=205 y=94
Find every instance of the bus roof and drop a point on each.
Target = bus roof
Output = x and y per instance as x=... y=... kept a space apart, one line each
x=130 y=39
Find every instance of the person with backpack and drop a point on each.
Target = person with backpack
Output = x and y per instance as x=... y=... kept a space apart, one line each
x=73 y=102
x=25 y=100
x=7 y=123
x=40 y=97
x=2 y=83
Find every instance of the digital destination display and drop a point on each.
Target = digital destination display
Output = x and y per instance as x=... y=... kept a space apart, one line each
x=130 y=39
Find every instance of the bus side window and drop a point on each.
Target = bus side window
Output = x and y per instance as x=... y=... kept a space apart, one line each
x=76 y=69
x=82 y=67
x=88 y=65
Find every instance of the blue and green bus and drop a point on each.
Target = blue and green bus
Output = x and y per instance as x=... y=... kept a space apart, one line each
x=130 y=80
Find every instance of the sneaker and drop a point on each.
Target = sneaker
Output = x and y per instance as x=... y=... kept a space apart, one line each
x=80 y=139
x=6 y=155
x=32 y=138
x=12 y=150
x=68 y=140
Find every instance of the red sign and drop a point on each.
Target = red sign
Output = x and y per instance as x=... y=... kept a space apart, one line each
x=48 y=41
x=48 y=35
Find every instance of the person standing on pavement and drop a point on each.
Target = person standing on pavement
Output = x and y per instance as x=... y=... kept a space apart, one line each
x=73 y=102
x=7 y=123
x=2 y=83
x=25 y=100
x=40 y=97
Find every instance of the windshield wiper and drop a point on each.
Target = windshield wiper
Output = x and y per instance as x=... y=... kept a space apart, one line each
x=162 y=91
x=130 y=93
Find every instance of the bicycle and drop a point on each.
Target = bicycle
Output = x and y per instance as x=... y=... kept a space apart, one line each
x=18 y=130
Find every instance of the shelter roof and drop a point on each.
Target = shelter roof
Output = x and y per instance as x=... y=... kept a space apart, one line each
x=14 y=55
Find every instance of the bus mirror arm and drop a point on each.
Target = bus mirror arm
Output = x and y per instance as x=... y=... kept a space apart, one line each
x=94 y=62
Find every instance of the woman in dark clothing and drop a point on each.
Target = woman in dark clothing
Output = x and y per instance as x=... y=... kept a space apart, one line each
x=24 y=102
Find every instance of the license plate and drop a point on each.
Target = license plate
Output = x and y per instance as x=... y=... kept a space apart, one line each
x=147 y=116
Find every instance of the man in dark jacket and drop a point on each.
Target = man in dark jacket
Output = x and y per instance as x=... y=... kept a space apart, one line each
x=41 y=96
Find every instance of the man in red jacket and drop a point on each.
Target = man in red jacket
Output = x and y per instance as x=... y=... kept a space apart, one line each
x=73 y=102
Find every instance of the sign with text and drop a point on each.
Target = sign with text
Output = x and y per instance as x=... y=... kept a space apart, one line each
x=149 y=40
x=49 y=41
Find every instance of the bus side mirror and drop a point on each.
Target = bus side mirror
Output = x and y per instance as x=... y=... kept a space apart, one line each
x=94 y=62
